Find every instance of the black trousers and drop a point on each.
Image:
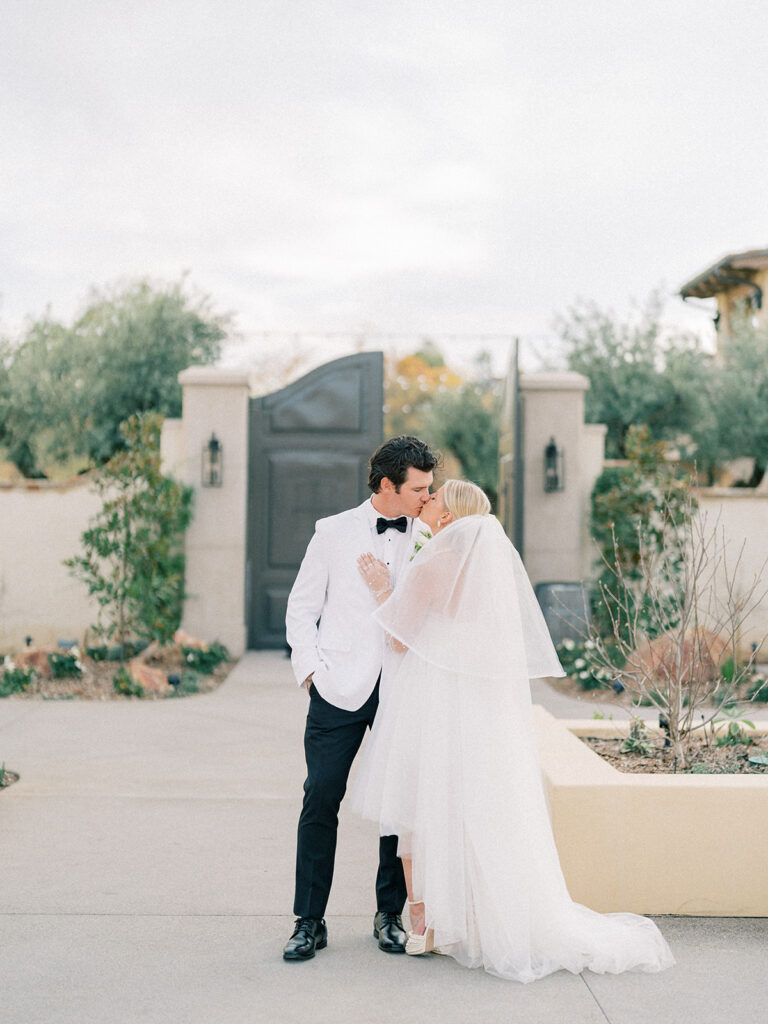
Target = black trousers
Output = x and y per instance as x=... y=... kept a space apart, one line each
x=331 y=740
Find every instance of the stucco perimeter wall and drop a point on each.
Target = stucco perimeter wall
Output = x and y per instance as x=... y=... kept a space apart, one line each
x=653 y=844
x=739 y=519
x=40 y=526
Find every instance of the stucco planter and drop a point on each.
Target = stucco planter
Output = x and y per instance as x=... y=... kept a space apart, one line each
x=653 y=844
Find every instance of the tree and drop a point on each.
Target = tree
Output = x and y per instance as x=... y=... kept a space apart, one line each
x=736 y=391
x=632 y=508
x=637 y=374
x=424 y=396
x=36 y=406
x=68 y=389
x=465 y=422
x=133 y=554
x=411 y=384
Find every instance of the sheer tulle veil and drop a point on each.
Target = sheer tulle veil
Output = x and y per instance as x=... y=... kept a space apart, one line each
x=452 y=768
x=468 y=605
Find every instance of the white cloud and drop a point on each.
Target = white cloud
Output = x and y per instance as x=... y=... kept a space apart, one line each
x=423 y=167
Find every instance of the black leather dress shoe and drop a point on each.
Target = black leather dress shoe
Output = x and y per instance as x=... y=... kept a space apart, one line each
x=388 y=929
x=308 y=935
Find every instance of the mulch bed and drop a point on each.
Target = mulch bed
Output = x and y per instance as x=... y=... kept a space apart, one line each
x=702 y=759
x=95 y=683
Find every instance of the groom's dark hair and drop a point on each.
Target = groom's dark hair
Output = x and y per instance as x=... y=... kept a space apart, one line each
x=395 y=457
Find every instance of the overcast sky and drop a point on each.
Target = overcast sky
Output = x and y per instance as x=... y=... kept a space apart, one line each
x=398 y=166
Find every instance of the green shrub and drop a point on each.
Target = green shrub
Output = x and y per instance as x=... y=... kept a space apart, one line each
x=190 y=683
x=205 y=659
x=13 y=679
x=638 y=741
x=133 y=550
x=66 y=666
x=758 y=688
x=640 y=511
x=98 y=653
x=124 y=685
x=579 y=660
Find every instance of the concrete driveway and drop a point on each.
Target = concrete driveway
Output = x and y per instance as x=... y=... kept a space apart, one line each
x=146 y=875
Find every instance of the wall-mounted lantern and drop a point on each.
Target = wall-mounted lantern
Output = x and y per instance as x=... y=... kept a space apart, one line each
x=213 y=462
x=554 y=467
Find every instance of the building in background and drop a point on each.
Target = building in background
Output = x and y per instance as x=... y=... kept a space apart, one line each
x=738 y=282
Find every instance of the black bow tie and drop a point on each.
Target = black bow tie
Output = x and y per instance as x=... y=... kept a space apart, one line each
x=400 y=524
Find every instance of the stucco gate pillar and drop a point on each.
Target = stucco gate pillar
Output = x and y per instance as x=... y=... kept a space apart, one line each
x=215 y=402
x=557 y=544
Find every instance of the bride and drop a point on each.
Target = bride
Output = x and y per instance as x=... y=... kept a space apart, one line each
x=451 y=766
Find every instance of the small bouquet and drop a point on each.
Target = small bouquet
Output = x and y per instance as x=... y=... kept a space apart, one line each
x=425 y=535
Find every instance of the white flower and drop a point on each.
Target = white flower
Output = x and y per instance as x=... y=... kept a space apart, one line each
x=425 y=536
x=583 y=675
x=8 y=663
x=568 y=644
x=589 y=645
x=579 y=663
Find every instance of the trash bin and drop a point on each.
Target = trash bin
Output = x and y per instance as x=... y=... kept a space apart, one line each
x=566 y=610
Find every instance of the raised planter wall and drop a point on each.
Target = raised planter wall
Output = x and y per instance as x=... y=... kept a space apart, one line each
x=653 y=844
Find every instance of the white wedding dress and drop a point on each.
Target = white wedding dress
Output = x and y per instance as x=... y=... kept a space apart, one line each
x=451 y=767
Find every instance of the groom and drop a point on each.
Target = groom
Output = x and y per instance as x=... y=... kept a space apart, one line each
x=339 y=662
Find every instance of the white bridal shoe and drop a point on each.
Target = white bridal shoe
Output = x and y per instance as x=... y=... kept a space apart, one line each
x=417 y=945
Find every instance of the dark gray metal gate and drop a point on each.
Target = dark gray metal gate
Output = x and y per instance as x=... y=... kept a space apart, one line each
x=309 y=446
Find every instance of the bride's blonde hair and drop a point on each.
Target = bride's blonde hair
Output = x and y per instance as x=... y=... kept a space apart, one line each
x=462 y=498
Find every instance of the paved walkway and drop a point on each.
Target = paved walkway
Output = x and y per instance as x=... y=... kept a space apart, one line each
x=146 y=875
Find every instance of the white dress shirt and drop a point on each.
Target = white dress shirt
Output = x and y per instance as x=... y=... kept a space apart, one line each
x=390 y=546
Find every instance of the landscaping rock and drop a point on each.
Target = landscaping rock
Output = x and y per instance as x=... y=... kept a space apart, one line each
x=34 y=659
x=153 y=680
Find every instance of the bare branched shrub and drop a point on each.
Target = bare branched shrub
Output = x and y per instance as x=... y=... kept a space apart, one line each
x=676 y=619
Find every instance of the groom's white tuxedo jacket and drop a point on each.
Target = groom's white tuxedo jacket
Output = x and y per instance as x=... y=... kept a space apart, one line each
x=329 y=621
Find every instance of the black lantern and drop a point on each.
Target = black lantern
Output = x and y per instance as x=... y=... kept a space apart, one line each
x=554 y=470
x=213 y=457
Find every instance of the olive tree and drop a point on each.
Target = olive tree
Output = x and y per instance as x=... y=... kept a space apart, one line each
x=65 y=391
x=638 y=372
